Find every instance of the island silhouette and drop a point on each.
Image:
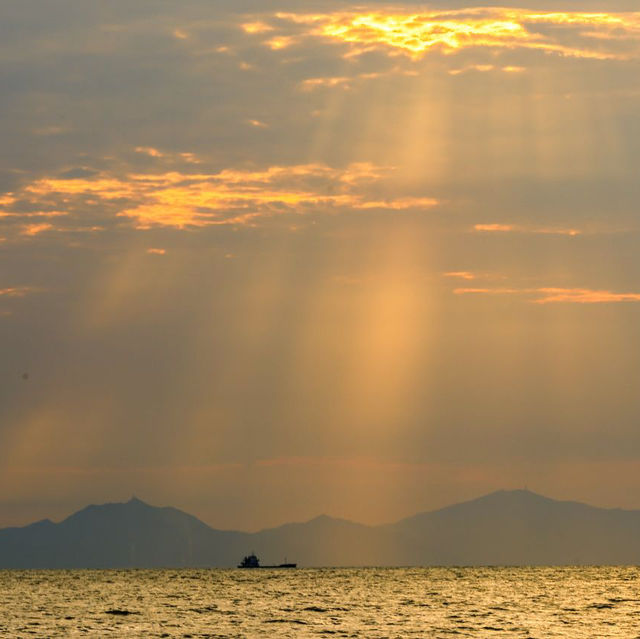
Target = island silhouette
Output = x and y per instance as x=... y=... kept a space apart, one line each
x=503 y=528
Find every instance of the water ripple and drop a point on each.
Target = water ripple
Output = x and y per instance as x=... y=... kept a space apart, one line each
x=520 y=603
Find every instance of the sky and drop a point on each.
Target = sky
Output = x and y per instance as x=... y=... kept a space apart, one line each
x=262 y=260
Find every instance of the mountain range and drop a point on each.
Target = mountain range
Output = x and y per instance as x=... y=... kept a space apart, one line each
x=504 y=528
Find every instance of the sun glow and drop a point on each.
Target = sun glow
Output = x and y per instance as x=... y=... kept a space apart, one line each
x=418 y=34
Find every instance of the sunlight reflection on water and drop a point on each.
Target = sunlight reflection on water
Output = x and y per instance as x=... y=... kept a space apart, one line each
x=432 y=602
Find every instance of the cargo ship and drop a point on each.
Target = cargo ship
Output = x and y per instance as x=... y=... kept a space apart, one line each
x=251 y=561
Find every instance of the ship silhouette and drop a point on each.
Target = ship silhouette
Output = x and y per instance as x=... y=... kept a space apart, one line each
x=252 y=561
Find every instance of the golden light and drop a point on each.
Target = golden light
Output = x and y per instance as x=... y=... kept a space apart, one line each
x=256 y=27
x=230 y=197
x=417 y=34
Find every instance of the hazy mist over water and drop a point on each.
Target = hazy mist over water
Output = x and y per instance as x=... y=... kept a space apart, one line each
x=431 y=602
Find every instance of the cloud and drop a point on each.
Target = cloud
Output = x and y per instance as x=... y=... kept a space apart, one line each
x=514 y=228
x=584 y=296
x=348 y=82
x=150 y=151
x=601 y=36
x=156 y=251
x=182 y=199
x=484 y=68
x=281 y=42
x=551 y=295
x=180 y=34
x=15 y=291
x=470 y=276
x=463 y=275
x=494 y=228
x=7 y=200
x=36 y=229
x=256 y=27
x=481 y=68
x=328 y=82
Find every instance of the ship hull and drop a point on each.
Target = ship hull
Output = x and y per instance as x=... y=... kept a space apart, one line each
x=270 y=567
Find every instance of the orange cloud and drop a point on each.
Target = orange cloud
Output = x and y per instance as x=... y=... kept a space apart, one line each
x=485 y=68
x=398 y=204
x=150 y=151
x=102 y=187
x=584 y=296
x=481 y=68
x=557 y=295
x=189 y=157
x=16 y=291
x=490 y=291
x=494 y=228
x=418 y=34
x=156 y=251
x=463 y=275
x=555 y=231
x=346 y=82
x=329 y=82
x=257 y=27
x=36 y=229
x=180 y=34
x=232 y=196
x=512 y=228
x=281 y=42
x=26 y=215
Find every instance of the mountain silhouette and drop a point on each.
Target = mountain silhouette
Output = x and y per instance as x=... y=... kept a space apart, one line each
x=522 y=528
x=504 y=528
x=131 y=534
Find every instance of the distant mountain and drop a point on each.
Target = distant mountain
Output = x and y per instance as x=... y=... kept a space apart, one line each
x=520 y=528
x=503 y=528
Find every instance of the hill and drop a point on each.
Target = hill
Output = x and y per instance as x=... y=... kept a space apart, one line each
x=503 y=528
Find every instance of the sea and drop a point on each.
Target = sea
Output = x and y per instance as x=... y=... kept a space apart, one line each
x=380 y=603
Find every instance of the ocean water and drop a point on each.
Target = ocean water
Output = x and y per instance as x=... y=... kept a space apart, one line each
x=431 y=602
